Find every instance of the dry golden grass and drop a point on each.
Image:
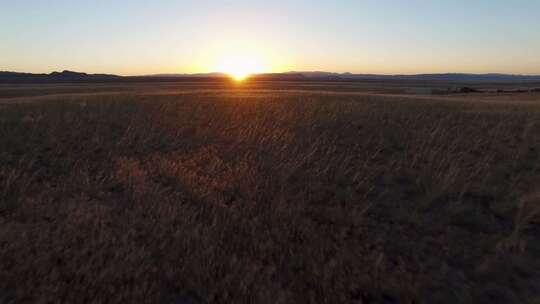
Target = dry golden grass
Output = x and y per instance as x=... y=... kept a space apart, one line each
x=255 y=197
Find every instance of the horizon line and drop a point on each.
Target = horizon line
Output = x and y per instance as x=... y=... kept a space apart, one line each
x=269 y=73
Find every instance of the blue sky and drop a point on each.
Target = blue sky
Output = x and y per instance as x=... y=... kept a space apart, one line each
x=164 y=36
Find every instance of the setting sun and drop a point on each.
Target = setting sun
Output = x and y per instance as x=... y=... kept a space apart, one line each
x=240 y=67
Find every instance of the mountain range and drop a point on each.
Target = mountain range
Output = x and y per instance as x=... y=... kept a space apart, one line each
x=427 y=77
x=69 y=76
x=64 y=75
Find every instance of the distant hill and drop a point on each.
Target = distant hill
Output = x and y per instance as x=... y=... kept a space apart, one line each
x=71 y=76
x=185 y=75
x=329 y=76
x=54 y=76
x=420 y=77
x=280 y=76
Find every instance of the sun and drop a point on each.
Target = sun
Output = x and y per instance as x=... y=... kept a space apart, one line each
x=240 y=67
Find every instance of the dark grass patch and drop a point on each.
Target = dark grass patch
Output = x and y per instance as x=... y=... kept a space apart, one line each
x=319 y=198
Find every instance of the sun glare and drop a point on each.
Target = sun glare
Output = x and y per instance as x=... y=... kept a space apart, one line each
x=240 y=67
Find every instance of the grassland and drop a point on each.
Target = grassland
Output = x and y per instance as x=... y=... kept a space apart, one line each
x=295 y=194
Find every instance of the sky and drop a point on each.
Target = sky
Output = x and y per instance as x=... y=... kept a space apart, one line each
x=139 y=37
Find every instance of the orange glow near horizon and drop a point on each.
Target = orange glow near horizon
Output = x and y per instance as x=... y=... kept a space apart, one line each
x=240 y=59
x=240 y=67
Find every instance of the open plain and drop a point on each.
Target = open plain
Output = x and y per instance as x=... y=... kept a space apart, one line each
x=278 y=192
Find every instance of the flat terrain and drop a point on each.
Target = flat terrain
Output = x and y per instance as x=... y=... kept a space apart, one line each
x=268 y=193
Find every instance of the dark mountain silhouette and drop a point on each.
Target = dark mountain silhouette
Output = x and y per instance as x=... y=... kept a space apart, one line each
x=180 y=75
x=279 y=76
x=71 y=76
x=55 y=76
x=329 y=76
x=439 y=76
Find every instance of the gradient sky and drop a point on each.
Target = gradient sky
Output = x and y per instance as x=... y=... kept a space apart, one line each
x=132 y=37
